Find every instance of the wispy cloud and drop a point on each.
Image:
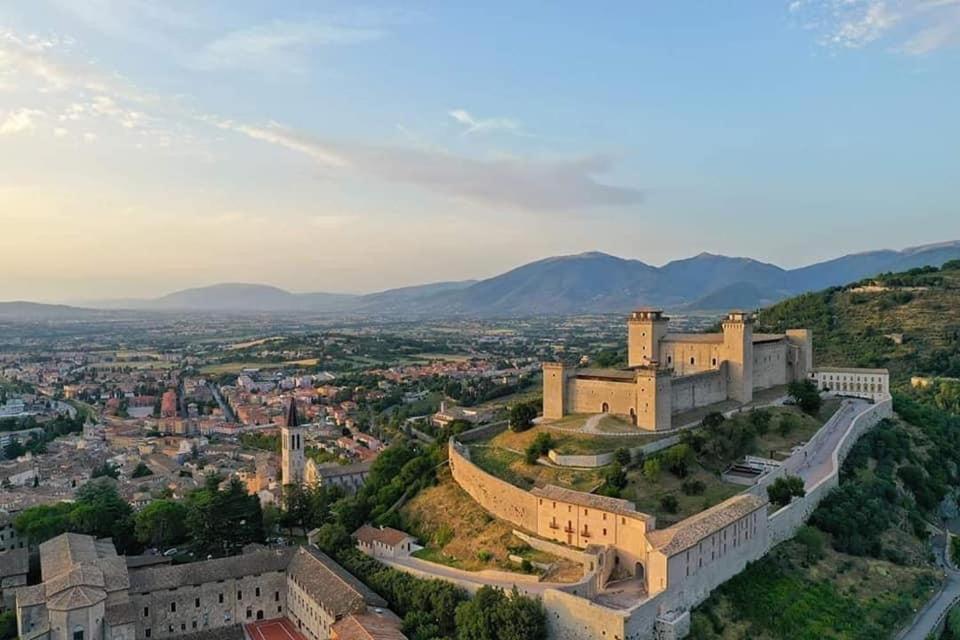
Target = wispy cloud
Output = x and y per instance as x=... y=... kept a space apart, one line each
x=279 y=46
x=912 y=27
x=515 y=183
x=533 y=185
x=19 y=121
x=472 y=124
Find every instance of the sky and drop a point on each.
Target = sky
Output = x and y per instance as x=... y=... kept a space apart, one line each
x=350 y=147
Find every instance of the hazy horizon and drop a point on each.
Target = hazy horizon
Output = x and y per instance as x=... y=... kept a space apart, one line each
x=147 y=148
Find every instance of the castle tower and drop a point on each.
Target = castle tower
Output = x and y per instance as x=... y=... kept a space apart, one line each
x=291 y=447
x=738 y=352
x=645 y=329
x=653 y=399
x=802 y=342
x=554 y=390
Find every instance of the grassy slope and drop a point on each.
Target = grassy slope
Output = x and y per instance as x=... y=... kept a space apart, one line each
x=849 y=328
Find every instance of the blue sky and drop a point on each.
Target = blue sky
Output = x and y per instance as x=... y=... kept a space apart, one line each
x=148 y=146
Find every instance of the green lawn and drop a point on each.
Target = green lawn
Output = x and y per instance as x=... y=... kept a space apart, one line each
x=511 y=467
x=647 y=494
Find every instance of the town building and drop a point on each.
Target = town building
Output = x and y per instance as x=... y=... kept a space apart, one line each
x=297 y=469
x=669 y=373
x=89 y=593
x=384 y=542
x=872 y=384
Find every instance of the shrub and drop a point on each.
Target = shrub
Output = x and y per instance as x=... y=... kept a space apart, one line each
x=811 y=539
x=484 y=556
x=806 y=394
x=622 y=456
x=678 y=459
x=651 y=469
x=784 y=490
x=693 y=487
x=669 y=503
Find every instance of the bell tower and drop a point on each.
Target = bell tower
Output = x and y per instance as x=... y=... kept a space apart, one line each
x=291 y=447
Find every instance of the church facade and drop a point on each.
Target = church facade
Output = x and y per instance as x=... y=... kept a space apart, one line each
x=669 y=373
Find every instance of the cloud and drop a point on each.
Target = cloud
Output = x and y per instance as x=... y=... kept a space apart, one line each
x=515 y=183
x=541 y=186
x=476 y=125
x=19 y=121
x=279 y=45
x=912 y=27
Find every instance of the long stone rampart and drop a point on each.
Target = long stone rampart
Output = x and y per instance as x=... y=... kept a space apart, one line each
x=497 y=496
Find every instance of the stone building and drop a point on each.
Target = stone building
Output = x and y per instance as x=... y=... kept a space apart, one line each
x=384 y=542
x=873 y=384
x=88 y=593
x=14 y=567
x=669 y=373
x=297 y=469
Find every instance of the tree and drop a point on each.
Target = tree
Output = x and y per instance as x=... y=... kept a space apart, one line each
x=622 y=456
x=141 y=471
x=13 y=449
x=760 y=419
x=162 y=523
x=8 y=625
x=221 y=522
x=712 y=420
x=677 y=459
x=522 y=415
x=540 y=446
x=806 y=395
x=106 y=470
x=811 y=539
x=669 y=503
x=784 y=490
x=493 y=615
x=651 y=469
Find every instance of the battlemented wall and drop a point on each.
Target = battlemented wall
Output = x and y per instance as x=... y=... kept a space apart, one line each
x=589 y=396
x=497 y=496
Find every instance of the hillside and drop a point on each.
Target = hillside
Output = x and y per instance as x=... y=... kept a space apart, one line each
x=864 y=565
x=864 y=323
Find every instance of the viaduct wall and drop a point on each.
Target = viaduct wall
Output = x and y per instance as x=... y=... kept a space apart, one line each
x=497 y=496
x=784 y=523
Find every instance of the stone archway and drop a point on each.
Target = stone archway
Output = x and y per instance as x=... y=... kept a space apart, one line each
x=638 y=571
x=604 y=408
x=633 y=416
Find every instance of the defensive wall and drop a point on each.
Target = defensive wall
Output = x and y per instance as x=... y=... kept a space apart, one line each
x=497 y=496
x=602 y=459
x=572 y=615
x=698 y=389
x=784 y=523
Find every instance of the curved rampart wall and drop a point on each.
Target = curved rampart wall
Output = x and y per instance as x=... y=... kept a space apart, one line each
x=497 y=496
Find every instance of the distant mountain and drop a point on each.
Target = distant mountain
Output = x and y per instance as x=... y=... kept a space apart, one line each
x=21 y=310
x=590 y=282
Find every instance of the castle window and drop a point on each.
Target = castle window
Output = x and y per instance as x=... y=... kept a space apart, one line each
x=221 y=598
x=196 y=603
x=604 y=532
x=692 y=360
x=78 y=633
x=239 y=595
x=669 y=359
x=183 y=626
x=146 y=612
x=146 y=632
x=714 y=362
x=257 y=592
x=276 y=596
x=173 y=607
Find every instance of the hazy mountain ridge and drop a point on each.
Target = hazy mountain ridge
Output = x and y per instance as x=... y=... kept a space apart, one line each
x=591 y=282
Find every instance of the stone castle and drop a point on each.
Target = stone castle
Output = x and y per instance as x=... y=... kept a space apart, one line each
x=669 y=373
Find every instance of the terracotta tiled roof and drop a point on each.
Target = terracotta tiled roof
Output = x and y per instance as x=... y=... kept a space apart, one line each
x=385 y=535
x=14 y=562
x=687 y=533
x=327 y=582
x=369 y=626
x=168 y=577
x=589 y=500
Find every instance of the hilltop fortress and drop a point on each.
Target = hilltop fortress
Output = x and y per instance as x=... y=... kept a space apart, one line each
x=669 y=373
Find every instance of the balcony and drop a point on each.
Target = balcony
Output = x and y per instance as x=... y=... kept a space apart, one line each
x=569 y=529
x=585 y=534
x=554 y=525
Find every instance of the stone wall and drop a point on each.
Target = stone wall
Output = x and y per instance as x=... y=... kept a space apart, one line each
x=589 y=396
x=692 y=391
x=483 y=432
x=769 y=364
x=784 y=523
x=500 y=498
x=188 y=608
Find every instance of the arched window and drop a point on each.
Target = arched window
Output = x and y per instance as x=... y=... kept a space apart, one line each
x=78 y=632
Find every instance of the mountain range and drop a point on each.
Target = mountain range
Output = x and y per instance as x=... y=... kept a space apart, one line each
x=590 y=282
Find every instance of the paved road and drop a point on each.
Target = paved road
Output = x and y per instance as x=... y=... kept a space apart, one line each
x=931 y=614
x=818 y=463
